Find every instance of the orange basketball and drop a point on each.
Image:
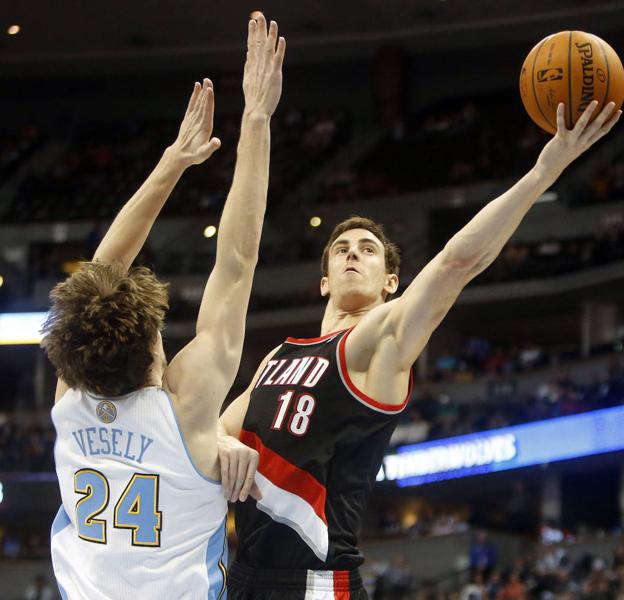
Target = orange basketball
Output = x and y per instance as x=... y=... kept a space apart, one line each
x=572 y=67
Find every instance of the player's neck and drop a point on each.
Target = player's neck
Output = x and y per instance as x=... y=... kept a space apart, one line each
x=336 y=319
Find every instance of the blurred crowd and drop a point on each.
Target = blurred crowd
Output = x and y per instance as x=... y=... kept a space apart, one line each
x=103 y=164
x=26 y=447
x=551 y=257
x=94 y=170
x=517 y=261
x=427 y=521
x=29 y=447
x=478 y=356
x=434 y=416
x=452 y=143
x=606 y=185
x=15 y=147
x=554 y=575
x=20 y=542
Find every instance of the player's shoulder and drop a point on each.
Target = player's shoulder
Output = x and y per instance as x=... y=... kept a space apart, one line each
x=364 y=340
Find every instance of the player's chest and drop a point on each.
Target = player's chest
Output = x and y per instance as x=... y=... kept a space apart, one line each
x=298 y=396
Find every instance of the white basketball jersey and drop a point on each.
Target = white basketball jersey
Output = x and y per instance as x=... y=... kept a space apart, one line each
x=138 y=520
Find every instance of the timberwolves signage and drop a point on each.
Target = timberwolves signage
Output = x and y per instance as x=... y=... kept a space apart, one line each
x=563 y=438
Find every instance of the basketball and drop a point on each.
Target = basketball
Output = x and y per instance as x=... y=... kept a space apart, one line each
x=572 y=67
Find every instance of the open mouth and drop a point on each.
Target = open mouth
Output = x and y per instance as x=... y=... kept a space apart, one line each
x=351 y=270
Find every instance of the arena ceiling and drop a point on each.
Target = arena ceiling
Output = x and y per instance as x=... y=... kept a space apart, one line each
x=78 y=36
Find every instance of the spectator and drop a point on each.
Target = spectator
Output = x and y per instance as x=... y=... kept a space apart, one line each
x=474 y=589
x=399 y=578
x=514 y=589
x=482 y=554
x=39 y=589
x=446 y=364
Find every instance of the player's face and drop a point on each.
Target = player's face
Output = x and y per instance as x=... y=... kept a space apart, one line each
x=356 y=271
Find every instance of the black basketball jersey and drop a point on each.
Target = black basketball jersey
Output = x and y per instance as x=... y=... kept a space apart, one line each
x=321 y=442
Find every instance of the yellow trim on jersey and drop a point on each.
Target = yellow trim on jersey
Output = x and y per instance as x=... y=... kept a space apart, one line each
x=222 y=567
x=89 y=521
x=135 y=509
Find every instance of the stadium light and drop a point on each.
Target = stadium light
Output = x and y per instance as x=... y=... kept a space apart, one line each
x=21 y=328
x=210 y=231
x=13 y=30
x=315 y=221
x=1 y=281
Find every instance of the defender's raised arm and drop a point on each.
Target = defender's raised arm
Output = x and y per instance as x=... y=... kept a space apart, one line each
x=203 y=372
x=194 y=144
x=130 y=228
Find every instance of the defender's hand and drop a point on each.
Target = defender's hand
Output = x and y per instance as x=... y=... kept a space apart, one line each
x=262 y=79
x=568 y=144
x=238 y=467
x=194 y=143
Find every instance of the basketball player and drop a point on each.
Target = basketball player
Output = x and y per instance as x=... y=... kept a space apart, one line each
x=136 y=453
x=321 y=411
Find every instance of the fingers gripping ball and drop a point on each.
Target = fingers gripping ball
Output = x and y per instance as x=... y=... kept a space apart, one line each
x=572 y=67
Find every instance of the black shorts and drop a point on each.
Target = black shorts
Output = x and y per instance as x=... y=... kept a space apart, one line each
x=245 y=583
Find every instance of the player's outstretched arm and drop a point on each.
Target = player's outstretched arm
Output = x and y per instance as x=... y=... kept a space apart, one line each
x=402 y=327
x=193 y=145
x=203 y=372
x=130 y=228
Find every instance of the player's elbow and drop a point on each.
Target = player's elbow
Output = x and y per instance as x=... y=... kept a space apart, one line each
x=459 y=260
x=241 y=265
x=237 y=270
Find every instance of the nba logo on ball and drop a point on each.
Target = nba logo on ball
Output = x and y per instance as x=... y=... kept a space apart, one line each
x=106 y=411
x=549 y=75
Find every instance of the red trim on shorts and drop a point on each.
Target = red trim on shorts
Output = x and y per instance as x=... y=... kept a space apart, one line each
x=342 y=364
x=287 y=476
x=306 y=341
x=341 y=585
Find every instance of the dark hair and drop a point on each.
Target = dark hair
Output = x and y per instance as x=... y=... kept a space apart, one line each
x=391 y=250
x=102 y=326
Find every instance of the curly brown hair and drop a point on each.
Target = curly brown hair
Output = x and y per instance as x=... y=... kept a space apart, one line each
x=102 y=326
x=392 y=254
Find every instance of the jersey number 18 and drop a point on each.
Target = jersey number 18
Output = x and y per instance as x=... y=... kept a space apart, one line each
x=299 y=420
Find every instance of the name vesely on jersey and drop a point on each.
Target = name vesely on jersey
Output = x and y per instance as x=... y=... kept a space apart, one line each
x=94 y=441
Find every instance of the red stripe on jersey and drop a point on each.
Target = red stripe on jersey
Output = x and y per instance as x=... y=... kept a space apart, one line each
x=287 y=476
x=361 y=395
x=341 y=585
x=306 y=341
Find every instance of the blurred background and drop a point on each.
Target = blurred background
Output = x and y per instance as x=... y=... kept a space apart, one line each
x=505 y=479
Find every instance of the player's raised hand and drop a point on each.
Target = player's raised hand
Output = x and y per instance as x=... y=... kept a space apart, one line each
x=262 y=78
x=238 y=468
x=569 y=144
x=195 y=143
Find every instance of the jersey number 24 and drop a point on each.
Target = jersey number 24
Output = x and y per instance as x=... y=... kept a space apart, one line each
x=136 y=509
